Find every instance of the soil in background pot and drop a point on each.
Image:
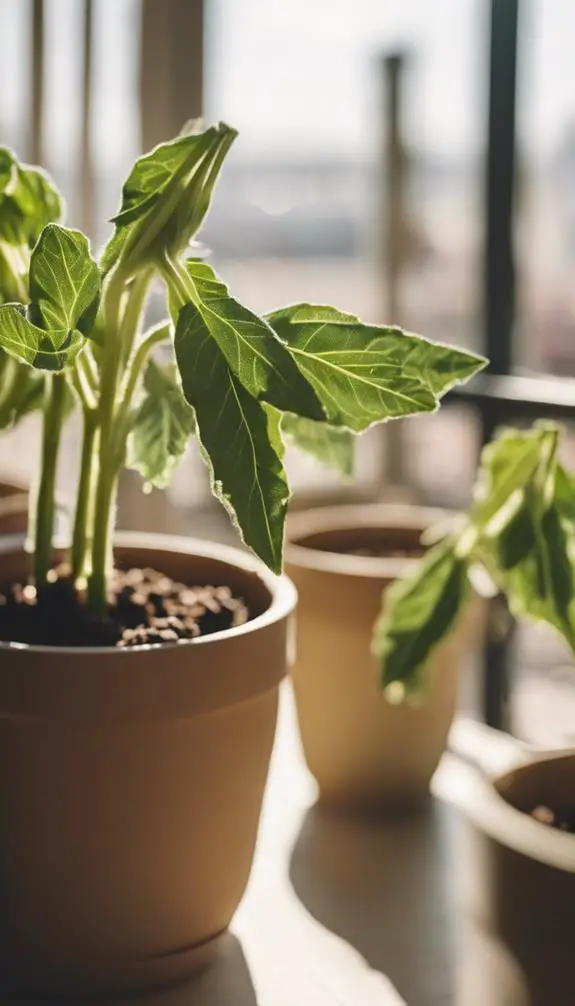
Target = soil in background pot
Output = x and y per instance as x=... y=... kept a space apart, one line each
x=145 y=606
x=562 y=818
x=369 y=542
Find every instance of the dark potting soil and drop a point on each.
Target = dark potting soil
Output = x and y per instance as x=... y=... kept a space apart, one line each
x=563 y=819
x=144 y=607
x=387 y=553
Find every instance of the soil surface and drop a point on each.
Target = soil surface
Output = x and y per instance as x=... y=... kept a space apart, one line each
x=387 y=553
x=144 y=607
x=562 y=819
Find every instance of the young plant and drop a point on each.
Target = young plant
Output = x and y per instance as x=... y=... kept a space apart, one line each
x=28 y=201
x=236 y=381
x=518 y=537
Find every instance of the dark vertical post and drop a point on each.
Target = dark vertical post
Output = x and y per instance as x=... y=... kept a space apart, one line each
x=393 y=66
x=37 y=83
x=499 y=261
x=391 y=239
x=499 y=273
x=86 y=162
x=171 y=67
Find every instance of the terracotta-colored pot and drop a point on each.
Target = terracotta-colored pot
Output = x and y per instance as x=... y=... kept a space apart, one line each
x=131 y=784
x=522 y=871
x=363 y=752
x=13 y=508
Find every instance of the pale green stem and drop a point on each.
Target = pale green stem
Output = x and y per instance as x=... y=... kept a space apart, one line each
x=83 y=389
x=45 y=504
x=8 y=390
x=133 y=313
x=85 y=364
x=120 y=328
x=106 y=478
x=81 y=519
x=141 y=356
x=180 y=284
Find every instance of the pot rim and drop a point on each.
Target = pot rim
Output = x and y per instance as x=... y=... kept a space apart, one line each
x=14 y=485
x=13 y=498
x=347 y=517
x=282 y=591
x=487 y=805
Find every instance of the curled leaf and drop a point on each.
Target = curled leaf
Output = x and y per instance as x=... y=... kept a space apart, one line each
x=166 y=197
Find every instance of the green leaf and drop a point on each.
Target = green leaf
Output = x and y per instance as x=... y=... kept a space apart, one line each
x=332 y=446
x=163 y=426
x=166 y=197
x=64 y=281
x=355 y=369
x=507 y=464
x=535 y=569
x=530 y=552
x=257 y=357
x=28 y=201
x=418 y=613
x=440 y=367
x=565 y=498
x=240 y=440
x=44 y=350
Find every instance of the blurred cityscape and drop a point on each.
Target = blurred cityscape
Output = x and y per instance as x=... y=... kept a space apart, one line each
x=313 y=229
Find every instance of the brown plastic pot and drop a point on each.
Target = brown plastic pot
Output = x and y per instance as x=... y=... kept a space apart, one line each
x=364 y=752
x=13 y=508
x=131 y=784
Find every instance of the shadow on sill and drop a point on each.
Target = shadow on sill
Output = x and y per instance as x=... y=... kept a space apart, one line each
x=395 y=889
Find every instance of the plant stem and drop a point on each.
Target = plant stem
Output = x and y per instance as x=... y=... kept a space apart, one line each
x=106 y=479
x=133 y=313
x=151 y=339
x=81 y=519
x=82 y=388
x=9 y=382
x=180 y=285
x=45 y=504
x=121 y=325
x=85 y=365
x=101 y=544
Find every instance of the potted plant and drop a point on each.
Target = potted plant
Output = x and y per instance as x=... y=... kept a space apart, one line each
x=518 y=538
x=139 y=689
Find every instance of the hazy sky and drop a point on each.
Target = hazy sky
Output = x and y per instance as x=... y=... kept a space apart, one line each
x=302 y=71
x=305 y=71
x=300 y=77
